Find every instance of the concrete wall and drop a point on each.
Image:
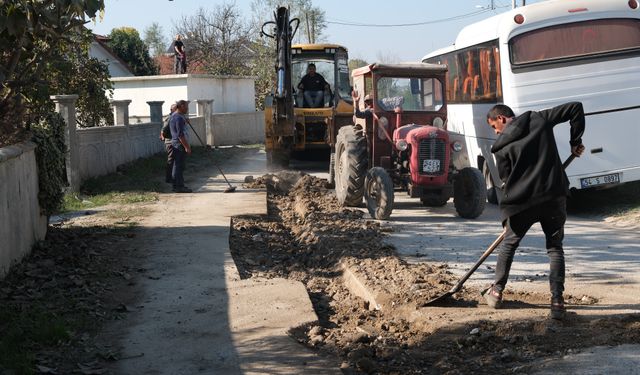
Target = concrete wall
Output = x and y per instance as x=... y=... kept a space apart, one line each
x=103 y=149
x=99 y=151
x=236 y=128
x=21 y=224
x=231 y=94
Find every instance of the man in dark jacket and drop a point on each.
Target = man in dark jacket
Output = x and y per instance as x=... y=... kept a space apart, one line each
x=165 y=135
x=535 y=188
x=313 y=85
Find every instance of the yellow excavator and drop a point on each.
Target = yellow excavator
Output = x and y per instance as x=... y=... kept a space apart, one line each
x=292 y=123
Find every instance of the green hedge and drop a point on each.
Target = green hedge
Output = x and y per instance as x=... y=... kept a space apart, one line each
x=48 y=134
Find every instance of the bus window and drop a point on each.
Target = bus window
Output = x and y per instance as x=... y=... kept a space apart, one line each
x=479 y=80
x=579 y=39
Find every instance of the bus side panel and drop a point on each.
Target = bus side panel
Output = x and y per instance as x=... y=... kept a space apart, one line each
x=471 y=120
x=611 y=138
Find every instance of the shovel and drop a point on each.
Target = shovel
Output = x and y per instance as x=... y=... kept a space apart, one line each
x=456 y=288
x=231 y=188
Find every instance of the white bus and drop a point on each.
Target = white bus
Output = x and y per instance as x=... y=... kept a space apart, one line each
x=545 y=54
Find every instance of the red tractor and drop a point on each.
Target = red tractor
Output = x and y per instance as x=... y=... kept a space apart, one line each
x=400 y=141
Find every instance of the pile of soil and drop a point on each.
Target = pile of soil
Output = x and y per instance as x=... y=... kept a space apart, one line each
x=308 y=236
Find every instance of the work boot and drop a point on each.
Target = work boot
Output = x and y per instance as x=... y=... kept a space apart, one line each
x=181 y=189
x=558 y=310
x=493 y=297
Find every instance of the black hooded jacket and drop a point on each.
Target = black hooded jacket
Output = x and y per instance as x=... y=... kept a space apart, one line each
x=528 y=160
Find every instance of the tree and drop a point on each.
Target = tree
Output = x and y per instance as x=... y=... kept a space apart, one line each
x=126 y=44
x=154 y=39
x=218 y=40
x=31 y=32
x=312 y=18
x=262 y=68
x=70 y=70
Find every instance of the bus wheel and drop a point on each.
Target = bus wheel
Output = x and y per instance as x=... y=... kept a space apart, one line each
x=492 y=190
x=469 y=193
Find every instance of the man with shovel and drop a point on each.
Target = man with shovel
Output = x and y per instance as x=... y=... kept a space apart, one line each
x=535 y=188
x=180 y=144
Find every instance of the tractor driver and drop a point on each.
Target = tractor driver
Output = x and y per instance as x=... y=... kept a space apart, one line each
x=313 y=85
x=367 y=113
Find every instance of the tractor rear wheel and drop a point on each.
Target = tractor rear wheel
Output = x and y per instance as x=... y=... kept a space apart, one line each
x=378 y=193
x=469 y=193
x=350 y=165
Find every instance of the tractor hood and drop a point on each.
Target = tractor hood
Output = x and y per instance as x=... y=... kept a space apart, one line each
x=413 y=133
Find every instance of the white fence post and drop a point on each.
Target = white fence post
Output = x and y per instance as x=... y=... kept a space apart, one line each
x=155 y=111
x=205 y=109
x=66 y=106
x=120 y=111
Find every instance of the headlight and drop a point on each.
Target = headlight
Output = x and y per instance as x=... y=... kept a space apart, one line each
x=437 y=122
x=456 y=146
x=401 y=145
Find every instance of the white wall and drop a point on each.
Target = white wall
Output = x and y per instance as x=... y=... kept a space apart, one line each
x=116 y=67
x=103 y=149
x=21 y=224
x=236 y=128
x=230 y=94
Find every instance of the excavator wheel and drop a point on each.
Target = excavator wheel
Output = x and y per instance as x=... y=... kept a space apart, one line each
x=278 y=160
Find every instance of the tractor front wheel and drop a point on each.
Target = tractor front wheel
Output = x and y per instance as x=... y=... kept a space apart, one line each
x=378 y=193
x=350 y=165
x=434 y=201
x=469 y=193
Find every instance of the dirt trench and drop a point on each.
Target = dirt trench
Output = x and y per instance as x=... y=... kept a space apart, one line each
x=308 y=236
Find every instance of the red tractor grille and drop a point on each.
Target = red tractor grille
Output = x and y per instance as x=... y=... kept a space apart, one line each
x=432 y=157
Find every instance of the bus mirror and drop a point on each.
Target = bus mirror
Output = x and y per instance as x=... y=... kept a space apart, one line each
x=415 y=86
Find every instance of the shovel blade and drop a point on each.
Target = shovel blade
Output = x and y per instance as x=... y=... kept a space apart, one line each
x=439 y=300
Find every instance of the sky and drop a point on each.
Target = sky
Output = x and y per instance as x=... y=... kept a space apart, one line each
x=368 y=43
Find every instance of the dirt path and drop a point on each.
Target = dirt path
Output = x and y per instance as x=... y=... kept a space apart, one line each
x=189 y=311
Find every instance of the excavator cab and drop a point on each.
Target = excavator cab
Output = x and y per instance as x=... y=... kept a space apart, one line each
x=294 y=122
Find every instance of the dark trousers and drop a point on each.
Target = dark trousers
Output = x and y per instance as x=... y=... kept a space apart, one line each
x=169 y=168
x=180 y=65
x=179 y=156
x=551 y=215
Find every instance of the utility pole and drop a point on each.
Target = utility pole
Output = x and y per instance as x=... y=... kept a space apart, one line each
x=493 y=5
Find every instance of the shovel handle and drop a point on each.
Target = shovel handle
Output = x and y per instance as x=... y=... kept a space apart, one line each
x=484 y=256
x=495 y=244
x=568 y=161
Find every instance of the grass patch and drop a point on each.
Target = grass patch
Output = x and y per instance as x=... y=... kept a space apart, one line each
x=622 y=200
x=142 y=180
x=26 y=330
x=136 y=182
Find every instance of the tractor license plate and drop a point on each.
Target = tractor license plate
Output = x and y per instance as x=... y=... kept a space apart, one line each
x=430 y=165
x=613 y=178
